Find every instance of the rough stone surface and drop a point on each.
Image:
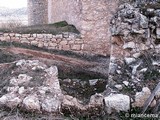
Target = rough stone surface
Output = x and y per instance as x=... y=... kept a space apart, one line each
x=141 y=97
x=118 y=102
x=38 y=90
x=48 y=41
x=90 y=17
x=38 y=12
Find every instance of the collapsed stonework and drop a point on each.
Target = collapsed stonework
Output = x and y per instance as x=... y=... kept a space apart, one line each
x=33 y=86
x=134 y=64
x=135 y=58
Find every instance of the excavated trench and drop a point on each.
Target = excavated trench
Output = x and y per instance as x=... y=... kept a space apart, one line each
x=80 y=76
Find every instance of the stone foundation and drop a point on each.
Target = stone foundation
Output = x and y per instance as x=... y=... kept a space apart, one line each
x=64 y=41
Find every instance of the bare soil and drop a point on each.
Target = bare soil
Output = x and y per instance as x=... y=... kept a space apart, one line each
x=78 y=68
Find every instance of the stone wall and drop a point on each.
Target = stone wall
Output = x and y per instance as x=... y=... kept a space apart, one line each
x=37 y=12
x=68 y=10
x=135 y=53
x=96 y=16
x=91 y=18
x=64 y=41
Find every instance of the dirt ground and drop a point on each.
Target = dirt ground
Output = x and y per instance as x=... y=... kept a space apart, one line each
x=76 y=67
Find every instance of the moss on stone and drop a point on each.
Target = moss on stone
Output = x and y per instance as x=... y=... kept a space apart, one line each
x=60 y=24
x=55 y=28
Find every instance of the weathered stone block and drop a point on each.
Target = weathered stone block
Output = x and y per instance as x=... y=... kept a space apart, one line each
x=25 y=35
x=47 y=36
x=118 y=102
x=59 y=36
x=51 y=44
x=66 y=47
x=78 y=41
x=40 y=44
x=12 y=34
x=31 y=38
x=65 y=35
x=63 y=42
x=53 y=40
x=18 y=35
x=25 y=41
x=34 y=35
x=7 y=38
x=34 y=42
x=76 y=47
x=46 y=44
x=6 y=34
x=71 y=42
x=131 y=45
x=39 y=35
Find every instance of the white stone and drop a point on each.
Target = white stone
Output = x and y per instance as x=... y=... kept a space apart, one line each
x=21 y=90
x=25 y=35
x=6 y=34
x=143 y=70
x=136 y=55
x=51 y=104
x=59 y=36
x=143 y=47
x=93 y=82
x=129 y=45
x=119 y=71
x=22 y=78
x=118 y=102
x=18 y=35
x=20 y=62
x=35 y=64
x=129 y=60
x=13 y=89
x=52 y=71
x=138 y=31
x=3 y=99
x=34 y=35
x=39 y=35
x=49 y=35
x=34 y=42
x=31 y=102
x=14 y=102
x=126 y=83
x=155 y=63
x=119 y=87
x=11 y=100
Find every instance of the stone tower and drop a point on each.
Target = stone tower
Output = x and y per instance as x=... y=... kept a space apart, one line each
x=37 y=12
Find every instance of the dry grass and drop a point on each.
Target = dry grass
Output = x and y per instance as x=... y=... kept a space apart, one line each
x=11 y=24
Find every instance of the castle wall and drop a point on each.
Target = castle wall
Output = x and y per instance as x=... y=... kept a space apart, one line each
x=69 y=10
x=96 y=15
x=38 y=12
x=91 y=17
x=64 y=41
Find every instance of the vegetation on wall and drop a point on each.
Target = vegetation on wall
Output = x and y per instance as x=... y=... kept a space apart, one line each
x=54 y=28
